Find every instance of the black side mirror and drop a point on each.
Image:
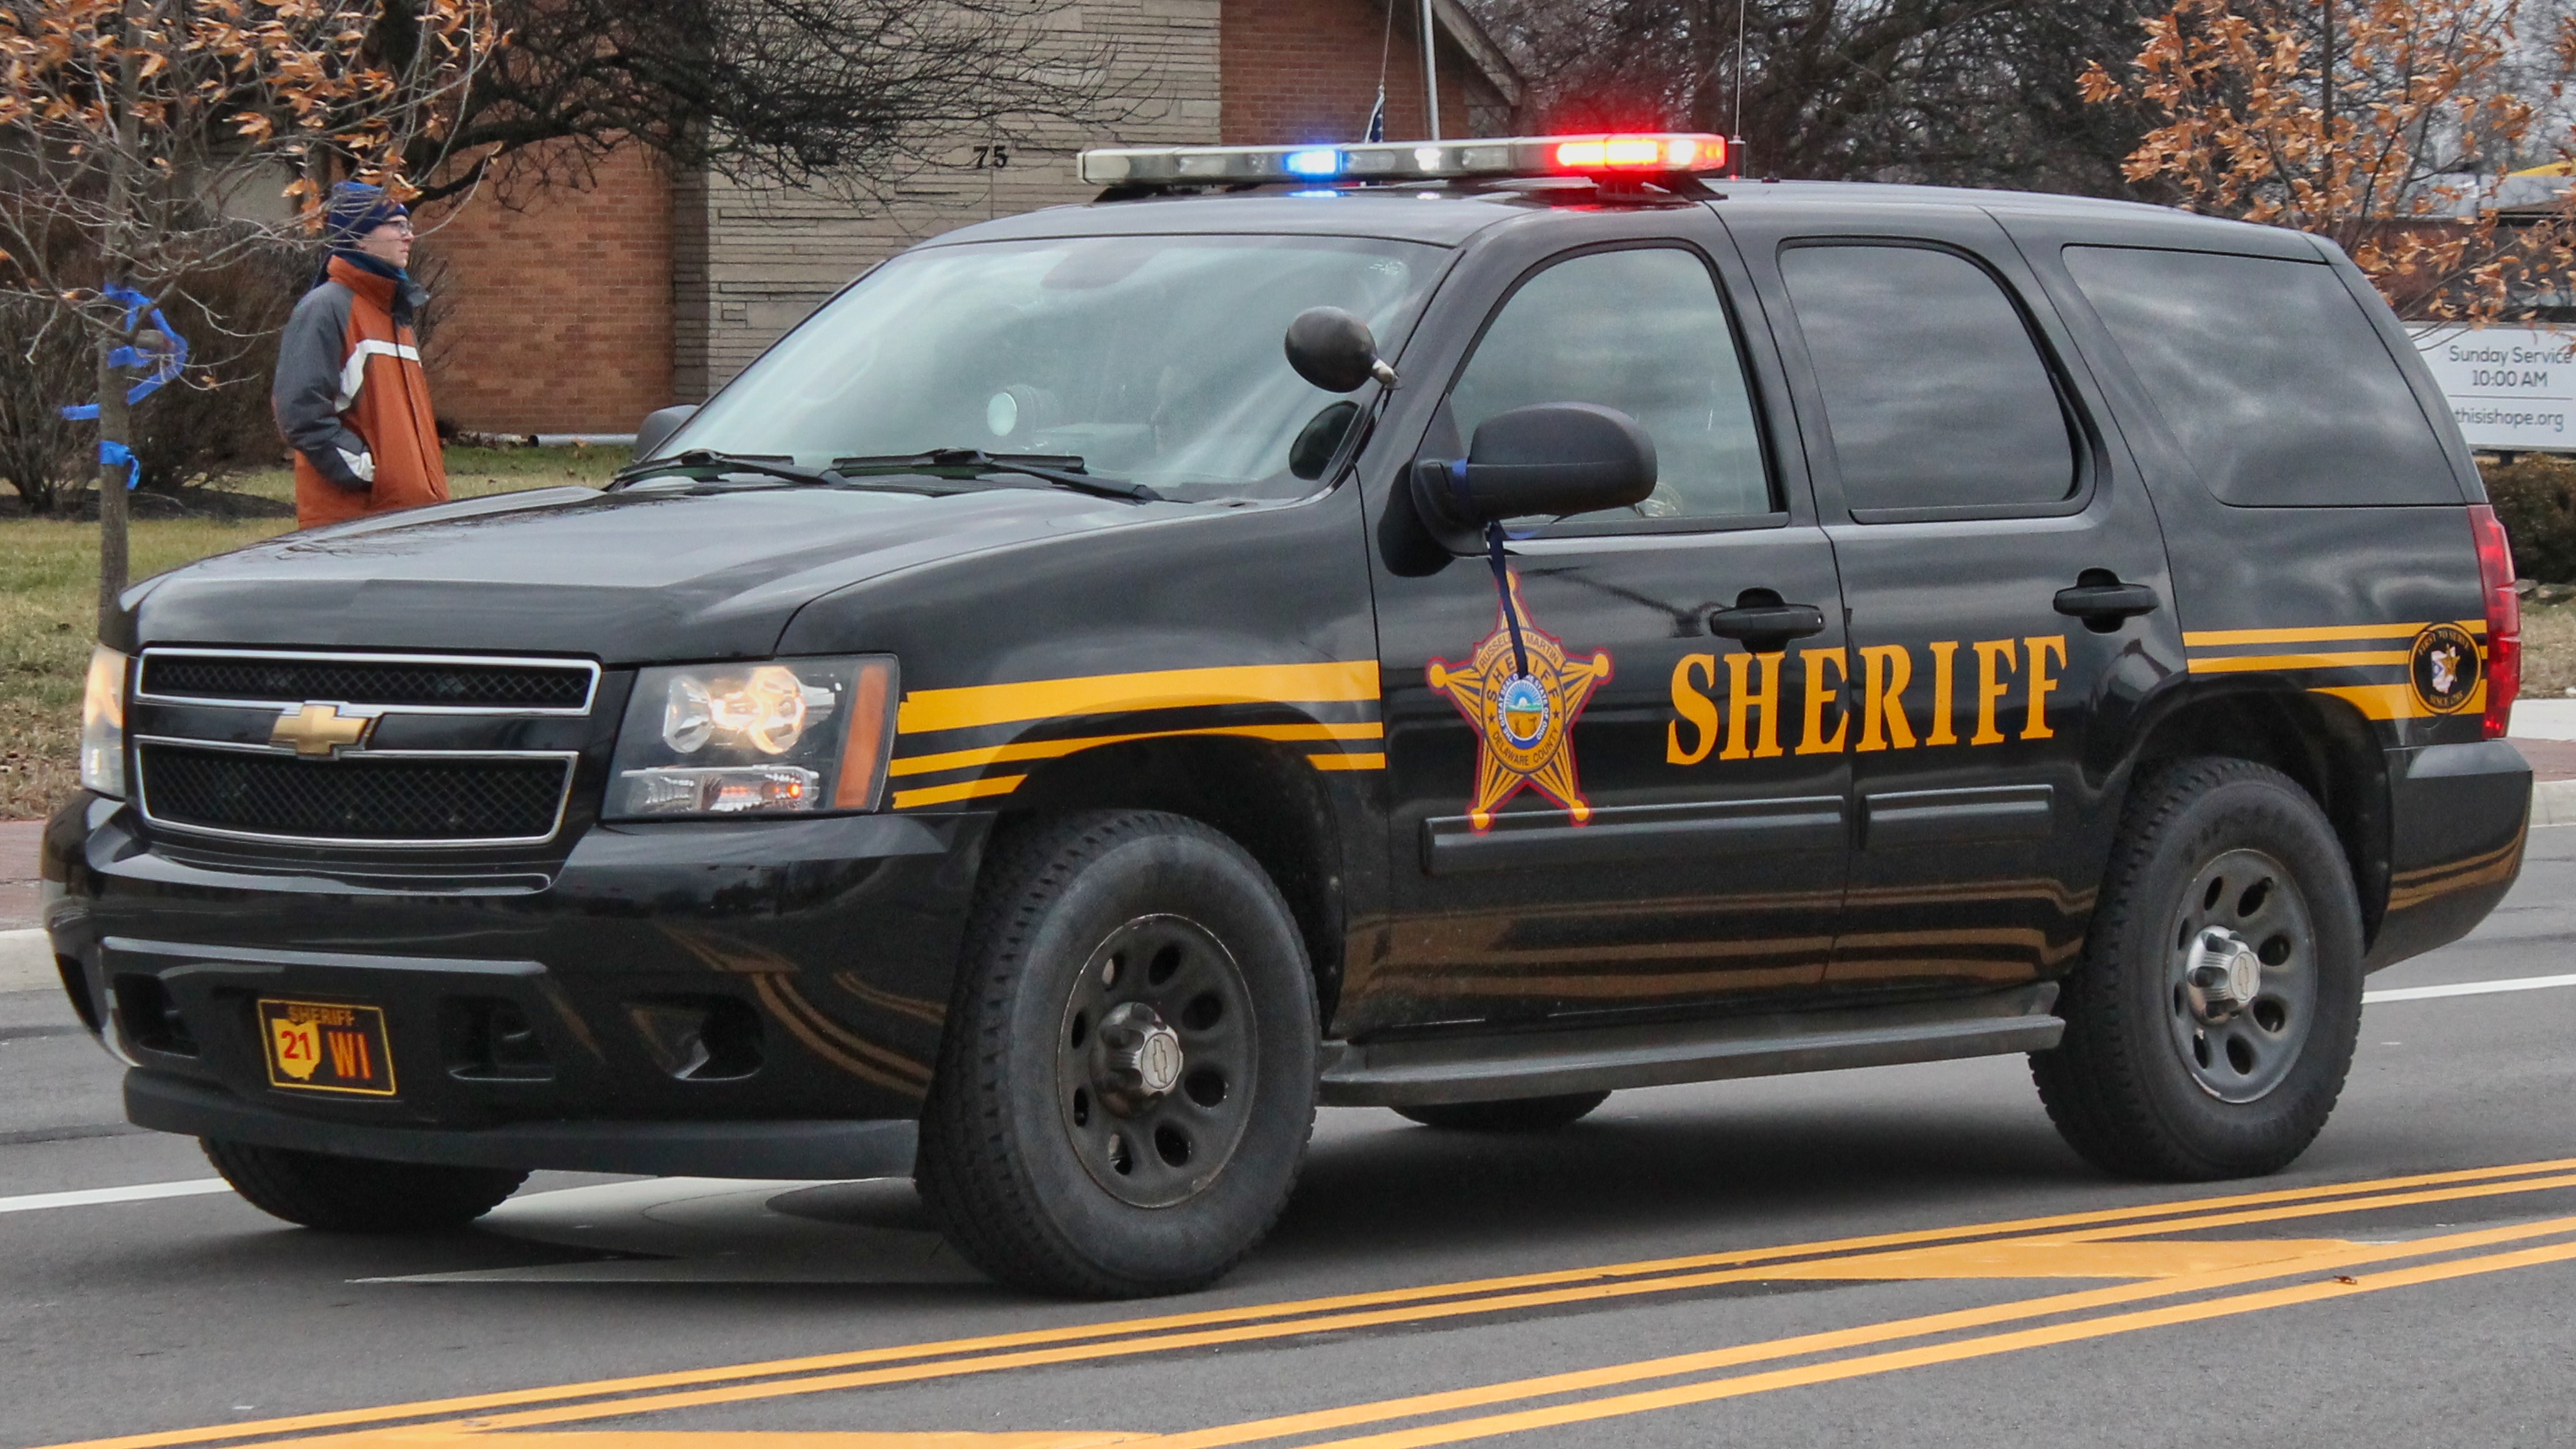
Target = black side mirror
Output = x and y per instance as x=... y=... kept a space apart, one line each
x=1333 y=350
x=1553 y=459
x=658 y=426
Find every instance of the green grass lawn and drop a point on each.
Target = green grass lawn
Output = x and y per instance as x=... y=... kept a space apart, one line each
x=49 y=600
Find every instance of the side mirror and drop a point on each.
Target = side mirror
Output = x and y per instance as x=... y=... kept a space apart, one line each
x=1552 y=459
x=658 y=426
x=1333 y=350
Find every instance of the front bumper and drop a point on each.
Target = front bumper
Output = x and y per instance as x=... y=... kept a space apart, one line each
x=813 y=956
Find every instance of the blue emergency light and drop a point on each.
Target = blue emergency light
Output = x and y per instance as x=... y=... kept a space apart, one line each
x=1599 y=156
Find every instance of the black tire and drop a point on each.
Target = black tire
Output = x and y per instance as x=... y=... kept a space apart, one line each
x=356 y=1194
x=1521 y=1114
x=1048 y=1158
x=2170 y=1076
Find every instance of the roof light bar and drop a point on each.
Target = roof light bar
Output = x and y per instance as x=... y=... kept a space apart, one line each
x=1511 y=156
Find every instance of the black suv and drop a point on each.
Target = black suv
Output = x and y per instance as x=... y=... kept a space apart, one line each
x=1036 y=731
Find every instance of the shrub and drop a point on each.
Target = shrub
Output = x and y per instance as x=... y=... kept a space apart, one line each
x=2535 y=496
x=212 y=421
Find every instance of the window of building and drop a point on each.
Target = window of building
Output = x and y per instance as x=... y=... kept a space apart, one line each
x=2269 y=375
x=1935 y=394
x=1642 y=330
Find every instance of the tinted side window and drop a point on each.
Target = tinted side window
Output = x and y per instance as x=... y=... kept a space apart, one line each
x=2269 y=375
x=1642 y=331
x=1935 y=394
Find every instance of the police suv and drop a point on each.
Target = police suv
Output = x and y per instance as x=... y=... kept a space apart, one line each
x=1461 y=627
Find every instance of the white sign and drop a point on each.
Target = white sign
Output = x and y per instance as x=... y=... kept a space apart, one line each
x=2511 y=388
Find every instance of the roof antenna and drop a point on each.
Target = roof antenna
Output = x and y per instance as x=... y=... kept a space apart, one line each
x=1738 y=137
x=1376 y=129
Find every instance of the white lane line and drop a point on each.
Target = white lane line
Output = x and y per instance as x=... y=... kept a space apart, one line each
x=2464 y=988
x=88 y=1197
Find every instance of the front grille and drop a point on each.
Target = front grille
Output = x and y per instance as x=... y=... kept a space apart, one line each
x=426 y=683
x=361 y=799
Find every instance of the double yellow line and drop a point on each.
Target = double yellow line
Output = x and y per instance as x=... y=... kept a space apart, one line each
x=1885 y=1254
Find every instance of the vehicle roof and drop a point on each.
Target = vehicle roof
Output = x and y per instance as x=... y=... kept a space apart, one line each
x=1447 y=215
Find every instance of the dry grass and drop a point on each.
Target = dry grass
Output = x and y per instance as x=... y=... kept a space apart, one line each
x=49 y=601
x=2548 y=650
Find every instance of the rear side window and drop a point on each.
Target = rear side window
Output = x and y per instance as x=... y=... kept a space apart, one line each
x=2269 y=375
x=1935 y=394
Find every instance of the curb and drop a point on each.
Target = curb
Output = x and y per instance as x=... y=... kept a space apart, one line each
x=27 y=962
x=2553 y=802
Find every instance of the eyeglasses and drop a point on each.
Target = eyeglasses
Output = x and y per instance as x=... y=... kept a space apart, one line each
x=401 y=228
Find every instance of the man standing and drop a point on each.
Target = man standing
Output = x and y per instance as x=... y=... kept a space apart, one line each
x=350 y=392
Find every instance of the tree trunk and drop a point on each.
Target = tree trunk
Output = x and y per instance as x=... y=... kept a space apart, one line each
x=115 y=425
x=114 y=418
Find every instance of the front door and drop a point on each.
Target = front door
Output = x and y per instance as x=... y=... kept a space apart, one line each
x=2006 y=583
x=1622 y=811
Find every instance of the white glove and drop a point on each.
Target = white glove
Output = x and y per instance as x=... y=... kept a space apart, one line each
x=362 y=464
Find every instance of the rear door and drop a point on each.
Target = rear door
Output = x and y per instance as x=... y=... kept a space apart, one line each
x=1606 y=826
x=2006 y=582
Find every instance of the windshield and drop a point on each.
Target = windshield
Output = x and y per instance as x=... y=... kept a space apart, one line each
x=1158 y=359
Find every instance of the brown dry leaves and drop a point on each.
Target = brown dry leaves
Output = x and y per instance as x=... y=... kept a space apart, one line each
x=2399 y=159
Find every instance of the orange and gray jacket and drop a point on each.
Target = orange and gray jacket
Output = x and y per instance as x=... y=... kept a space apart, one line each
x=352 y=398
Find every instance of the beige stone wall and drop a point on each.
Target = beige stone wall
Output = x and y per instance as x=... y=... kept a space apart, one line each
x=747 y=263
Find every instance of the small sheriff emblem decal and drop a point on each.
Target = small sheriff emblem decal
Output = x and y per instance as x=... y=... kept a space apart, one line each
x=2443 y=668
x=1522 y=695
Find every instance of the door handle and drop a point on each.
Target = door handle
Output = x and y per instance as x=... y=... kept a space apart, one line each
x=2104 y=605
x=1765 y=625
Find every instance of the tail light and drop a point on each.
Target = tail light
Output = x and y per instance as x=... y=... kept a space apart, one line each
x=2504 y=618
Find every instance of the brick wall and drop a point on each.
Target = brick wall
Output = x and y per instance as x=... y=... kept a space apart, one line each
x=586 y=309
x=1307 y=70
x=555 y=316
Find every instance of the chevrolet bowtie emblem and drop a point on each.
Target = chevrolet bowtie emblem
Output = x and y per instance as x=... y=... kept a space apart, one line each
x=319 y=730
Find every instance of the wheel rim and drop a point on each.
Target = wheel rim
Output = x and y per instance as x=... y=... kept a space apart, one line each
x=2241 y=976
x=1154 y=1061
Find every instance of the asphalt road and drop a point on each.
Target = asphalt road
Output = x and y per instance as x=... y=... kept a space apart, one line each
x=1692 y=1265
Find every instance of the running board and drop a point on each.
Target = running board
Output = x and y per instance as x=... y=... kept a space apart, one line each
x=1599 y=1059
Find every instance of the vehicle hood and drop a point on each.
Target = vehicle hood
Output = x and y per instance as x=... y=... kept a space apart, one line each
x=625 y=578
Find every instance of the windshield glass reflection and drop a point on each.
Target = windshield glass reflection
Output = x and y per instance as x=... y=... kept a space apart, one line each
x=1157 y=359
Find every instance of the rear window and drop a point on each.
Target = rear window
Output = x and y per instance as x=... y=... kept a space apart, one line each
x=2269 y=375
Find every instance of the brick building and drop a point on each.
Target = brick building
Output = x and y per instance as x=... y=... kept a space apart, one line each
x=580 y=310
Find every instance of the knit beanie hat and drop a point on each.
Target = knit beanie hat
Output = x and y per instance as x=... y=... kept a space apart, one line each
x=357 y=209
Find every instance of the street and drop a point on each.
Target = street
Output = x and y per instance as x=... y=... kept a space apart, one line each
x=1897 y=1256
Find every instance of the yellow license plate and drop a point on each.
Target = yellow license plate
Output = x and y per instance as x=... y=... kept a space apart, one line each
x=318 y=1046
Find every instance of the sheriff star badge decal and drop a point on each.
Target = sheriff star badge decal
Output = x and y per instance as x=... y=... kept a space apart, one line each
x=1523 y=717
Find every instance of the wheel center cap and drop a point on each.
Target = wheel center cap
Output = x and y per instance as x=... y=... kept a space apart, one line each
x=1138 y=1059
x=2224 y=974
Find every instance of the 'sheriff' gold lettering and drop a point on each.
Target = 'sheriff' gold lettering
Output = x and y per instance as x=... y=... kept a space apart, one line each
x=1750 y=711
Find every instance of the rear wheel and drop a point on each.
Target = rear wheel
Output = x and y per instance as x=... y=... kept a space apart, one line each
x=1521 y=1114
x=1128 y=1074
x=2211 y=1021
x=356 y=1194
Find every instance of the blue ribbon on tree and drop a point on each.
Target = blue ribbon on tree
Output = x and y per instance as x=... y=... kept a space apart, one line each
x=166 y=365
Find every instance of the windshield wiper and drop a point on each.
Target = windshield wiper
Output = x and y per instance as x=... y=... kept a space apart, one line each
x=1062 y=471
x=702 y=460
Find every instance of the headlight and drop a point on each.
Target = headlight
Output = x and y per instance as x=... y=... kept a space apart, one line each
x=102 y=746
x=792 y=736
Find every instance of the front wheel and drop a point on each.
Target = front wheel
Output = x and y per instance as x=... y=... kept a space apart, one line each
x=1127 y=1079
x=2211 y=1021
x=356 y=1194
